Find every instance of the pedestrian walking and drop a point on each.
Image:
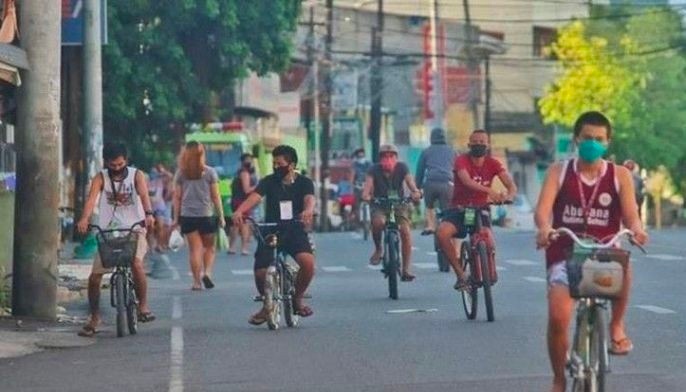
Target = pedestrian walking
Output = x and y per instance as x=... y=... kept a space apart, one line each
x=158 y=181
x=243 y=184
x=198 y=211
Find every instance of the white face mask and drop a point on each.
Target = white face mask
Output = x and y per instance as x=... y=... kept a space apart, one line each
x=361 y=159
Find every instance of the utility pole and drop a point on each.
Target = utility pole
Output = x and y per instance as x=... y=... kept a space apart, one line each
x=92 y=91
x=326 y=125
x=487 y=103
x=376 y=83
x=436 y=77
x=471 y=65
x=34 y=280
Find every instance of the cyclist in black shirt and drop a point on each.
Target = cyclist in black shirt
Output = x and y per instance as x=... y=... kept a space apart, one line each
x=289 y=197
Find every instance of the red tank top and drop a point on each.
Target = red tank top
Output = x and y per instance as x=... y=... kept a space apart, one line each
x=594 y=210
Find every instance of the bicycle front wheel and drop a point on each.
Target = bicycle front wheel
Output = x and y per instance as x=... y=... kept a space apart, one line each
x=482 y=252
x=288 y=308
x=470 y=298
x=273 y=297
x=119 y=302
x=598 y=358
x=392 y=256
x=132 y=309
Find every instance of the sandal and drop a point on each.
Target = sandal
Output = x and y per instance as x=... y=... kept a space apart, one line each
x=88 y=331
x=304 y=311
x=146 y=317
x=375 y=259
x=621 y=346
x=207 y=282
x=427 y=232
x=462 y=285
x=259 y=318
x=407 y=277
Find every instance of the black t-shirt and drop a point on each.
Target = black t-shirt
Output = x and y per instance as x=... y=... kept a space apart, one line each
x=275 y=192
x=393 y=182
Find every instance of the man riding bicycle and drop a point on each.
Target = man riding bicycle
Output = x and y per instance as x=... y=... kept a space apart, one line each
x=387 y=179
x=590 y=196
x=289 y=196
x=122 y=194
x=473 y=173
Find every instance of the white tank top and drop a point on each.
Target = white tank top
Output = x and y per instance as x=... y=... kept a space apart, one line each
x=126 y=209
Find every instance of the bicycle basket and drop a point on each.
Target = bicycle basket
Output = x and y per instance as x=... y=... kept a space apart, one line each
x=597 y=273
x=117 y=248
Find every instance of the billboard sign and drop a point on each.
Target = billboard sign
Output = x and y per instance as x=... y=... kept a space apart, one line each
x=72 y=22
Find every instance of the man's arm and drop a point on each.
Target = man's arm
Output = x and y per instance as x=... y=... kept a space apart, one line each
x=416 y=193
x=467 y=181
x=93 y=193
x=245 y=182
x=544 y=208
x=251 y=201
x=368 y=188
x=627 y=199
x=507 y=180
x=142 y=190
x=421 y=167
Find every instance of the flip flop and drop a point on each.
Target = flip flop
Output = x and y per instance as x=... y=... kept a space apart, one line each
x=88 y=331
x=207 y=282
x=407 y=277
x=462 y=285
x=258 y=318
x=196 y=288
x=621 y=346
x=375 y=260
x=304 y=311
x=427 y=232
x=146 y=317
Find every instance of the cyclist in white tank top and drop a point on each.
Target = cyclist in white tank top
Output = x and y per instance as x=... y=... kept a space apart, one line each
x=121 y=193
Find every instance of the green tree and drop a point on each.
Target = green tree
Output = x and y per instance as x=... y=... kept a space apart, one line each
x=172 y=62
x=633 y=69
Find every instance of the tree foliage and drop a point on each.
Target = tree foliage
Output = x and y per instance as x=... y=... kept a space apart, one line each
x=176 y=61
x=634 y=70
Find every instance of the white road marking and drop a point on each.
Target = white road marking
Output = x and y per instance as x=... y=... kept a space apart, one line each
x=175 y=273
x=415 y=248
x=176 y=368
x=403 y=311
x=177 y=311
x=520 y=262
x=425 y=265
x=432 y=253
x=374 y=267
x=242 y=272
x=665 y=257
x=356 y=236
x=336 y=268
x=535 y=279
x=655 y=309
x=499 y=268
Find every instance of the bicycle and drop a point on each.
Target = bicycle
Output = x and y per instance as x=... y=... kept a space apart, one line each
x=477 y=259
x=117 y=249
x=279 y=288
x=596 y=273
x=391 y=242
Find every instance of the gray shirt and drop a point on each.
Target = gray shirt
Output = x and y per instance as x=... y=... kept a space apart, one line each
x=196 y=199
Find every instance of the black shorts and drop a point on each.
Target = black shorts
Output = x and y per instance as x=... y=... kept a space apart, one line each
x=456 y=218
x=201 y=224
x=293 y=241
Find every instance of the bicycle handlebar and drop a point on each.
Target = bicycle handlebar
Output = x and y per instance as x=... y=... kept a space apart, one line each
x=130 y=229
x=598 y=245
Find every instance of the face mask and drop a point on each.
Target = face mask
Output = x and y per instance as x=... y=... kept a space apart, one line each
x=116 y=173
x=281 y=172
x=478 y=150
x=247 y=165
x=591 y=150
x=360 y=159
x=388 y=163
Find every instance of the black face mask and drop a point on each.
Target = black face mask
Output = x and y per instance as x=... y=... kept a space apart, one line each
x=116 y=173
x=248 y=166
x=478 y=150
x=281 y=172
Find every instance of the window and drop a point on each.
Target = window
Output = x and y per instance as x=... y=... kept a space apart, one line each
x=543 y=38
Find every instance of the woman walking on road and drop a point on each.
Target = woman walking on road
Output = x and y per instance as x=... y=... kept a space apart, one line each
x=198 y=210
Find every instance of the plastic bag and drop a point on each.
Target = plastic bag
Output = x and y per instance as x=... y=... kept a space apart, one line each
x=176 y=241
x=222 y=241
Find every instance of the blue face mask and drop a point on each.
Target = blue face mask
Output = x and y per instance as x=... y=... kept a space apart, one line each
x=591 y=150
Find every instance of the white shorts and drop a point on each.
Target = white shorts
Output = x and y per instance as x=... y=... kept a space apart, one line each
x=557 y=275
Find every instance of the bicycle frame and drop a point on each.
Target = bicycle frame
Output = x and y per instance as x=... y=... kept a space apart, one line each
x=479 y=233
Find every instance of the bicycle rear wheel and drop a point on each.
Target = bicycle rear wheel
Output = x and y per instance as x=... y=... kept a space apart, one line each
x=599 y=357
x=273 y=299
x=470 y=298
x=392 y=256
x=482 y=253
x=119 y=302
x=578 y=361
x=288 y=308
x=132 y=309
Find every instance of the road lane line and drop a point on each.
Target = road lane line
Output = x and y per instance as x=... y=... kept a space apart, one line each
x=535 y=279
x=336 y=268
x=242 y=272
x=432 y=253
x=374 y=267
x=521 y=262
x=499 y=268
x=404 y=311
x=175 y=273
x=356 y=236
x=415 y=248
x=655 y=309
x=665 y=257
x=176 y=354
x=425 y=265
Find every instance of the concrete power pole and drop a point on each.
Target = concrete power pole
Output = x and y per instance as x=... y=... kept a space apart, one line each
x=92 y=90
x=437 y=103
x=34 y=281
x=472 y=65
x=376 y=83
x=327 y=122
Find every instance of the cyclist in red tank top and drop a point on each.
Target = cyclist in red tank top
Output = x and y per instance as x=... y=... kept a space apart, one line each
x=589 y=196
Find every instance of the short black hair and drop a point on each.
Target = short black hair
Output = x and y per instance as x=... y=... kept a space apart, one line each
x=592 y=118
x=357 y=151
x=111 y=151
x=245 y=155
x=287 y=152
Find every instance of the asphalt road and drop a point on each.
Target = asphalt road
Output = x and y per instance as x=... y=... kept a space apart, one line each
x=202 y=341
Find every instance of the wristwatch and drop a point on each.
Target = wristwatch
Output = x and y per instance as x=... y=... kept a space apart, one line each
x=149 y=213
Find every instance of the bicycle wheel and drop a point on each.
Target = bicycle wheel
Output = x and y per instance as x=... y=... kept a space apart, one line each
x=288 y=308
x=132 y=309
x=273 y=296
x=482 y=253
x=470 y=298
x=120 y=302
x=365 y=221
x=578 y=357
x=392 y=262
x=598 y=354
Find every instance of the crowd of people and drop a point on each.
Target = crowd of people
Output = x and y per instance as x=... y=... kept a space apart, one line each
x=586 y=194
